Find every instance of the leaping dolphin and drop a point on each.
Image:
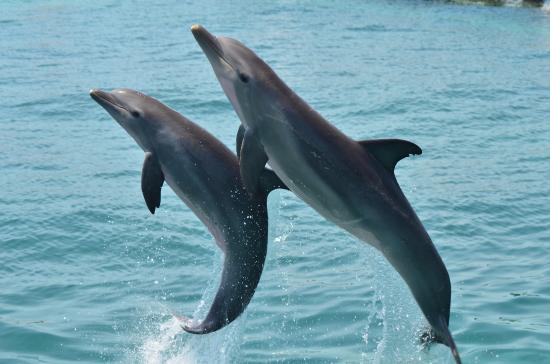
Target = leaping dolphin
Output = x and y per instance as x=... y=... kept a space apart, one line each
x=350 y=183
x=204 y=173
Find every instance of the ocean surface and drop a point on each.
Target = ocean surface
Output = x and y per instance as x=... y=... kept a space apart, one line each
x=88 y=275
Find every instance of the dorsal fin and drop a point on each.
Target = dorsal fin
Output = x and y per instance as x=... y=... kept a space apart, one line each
x=390 y=151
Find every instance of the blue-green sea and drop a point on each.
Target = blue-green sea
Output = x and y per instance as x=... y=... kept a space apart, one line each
x=88 y=275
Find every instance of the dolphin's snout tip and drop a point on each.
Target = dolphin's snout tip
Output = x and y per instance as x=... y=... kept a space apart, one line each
x=99 y=96
x=94 y=93
x=200 y=33
x=195 y=28
x=207 y=41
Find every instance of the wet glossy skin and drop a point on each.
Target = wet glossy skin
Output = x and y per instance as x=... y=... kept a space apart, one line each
x=334 y=174
x=204 y=173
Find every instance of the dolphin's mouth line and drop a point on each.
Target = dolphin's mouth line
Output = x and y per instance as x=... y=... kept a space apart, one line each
x=220 y=55
x=110 y=102
x=212 y=46
x=204 y=38
x=227 y=63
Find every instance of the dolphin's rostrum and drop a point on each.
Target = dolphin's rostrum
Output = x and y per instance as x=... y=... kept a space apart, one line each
x=204 y=173
x=348 y=182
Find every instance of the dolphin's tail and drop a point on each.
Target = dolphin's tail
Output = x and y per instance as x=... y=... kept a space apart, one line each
x=444 y=337
x=240 y=278
x=200 y=328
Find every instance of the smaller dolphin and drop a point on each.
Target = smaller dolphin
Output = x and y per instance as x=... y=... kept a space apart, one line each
x=204 y=173
x=351 y=183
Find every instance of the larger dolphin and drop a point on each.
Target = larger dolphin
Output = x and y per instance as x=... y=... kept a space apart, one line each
x=204 y=173
x=351 y=183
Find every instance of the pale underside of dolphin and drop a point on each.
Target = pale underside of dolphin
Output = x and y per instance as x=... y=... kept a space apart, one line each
x=350 y=183
x=204 y=173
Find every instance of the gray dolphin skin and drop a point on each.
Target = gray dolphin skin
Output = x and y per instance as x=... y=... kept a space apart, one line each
x=350 y=183
x=204 y=173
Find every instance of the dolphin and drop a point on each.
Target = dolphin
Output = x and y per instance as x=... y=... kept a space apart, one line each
x=204 y=173
x=351 y=183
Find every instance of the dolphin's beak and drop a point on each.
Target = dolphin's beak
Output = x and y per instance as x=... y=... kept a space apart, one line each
x=207 y=41
x=105 y=99
x=100 y=96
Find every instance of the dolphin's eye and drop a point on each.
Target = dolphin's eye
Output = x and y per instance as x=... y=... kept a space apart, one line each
x=135 y=114
x=243 y=77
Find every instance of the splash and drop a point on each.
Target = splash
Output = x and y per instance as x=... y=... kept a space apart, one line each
x=154 y=348
x=395 y=321
x=171 y=345
x=165 y=341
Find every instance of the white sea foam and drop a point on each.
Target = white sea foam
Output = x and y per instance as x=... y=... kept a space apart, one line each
x=166 y=342
x=394 y=321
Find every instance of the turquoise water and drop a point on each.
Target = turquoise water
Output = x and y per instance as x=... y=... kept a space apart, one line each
x=88 y=275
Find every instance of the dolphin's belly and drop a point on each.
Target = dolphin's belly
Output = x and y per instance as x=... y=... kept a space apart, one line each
x=211 y=218
x=339 y=184
x=216 y=203
x=365 y=214
x=330 y=188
